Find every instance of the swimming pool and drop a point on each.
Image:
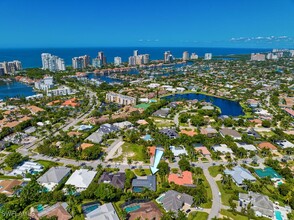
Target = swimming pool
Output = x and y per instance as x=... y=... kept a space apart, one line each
x=278 y=215
x=40 y=208
x=90 y=207
x=147 y=137
x=268 y=171
x=137 y=189
x=132 y=208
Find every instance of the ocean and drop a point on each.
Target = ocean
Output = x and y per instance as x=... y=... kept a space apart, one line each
x=32 y=57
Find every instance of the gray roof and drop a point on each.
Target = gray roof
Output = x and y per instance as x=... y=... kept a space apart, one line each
x=54 y=175
x=239 y=174
x=103 y=212
x=230 y=132
x=174 y=201
x=161 y=112
x=107 y=128
x=260 y=203
x=95 y=138
x=148 y=182
x=171 y=133
x=117 y=179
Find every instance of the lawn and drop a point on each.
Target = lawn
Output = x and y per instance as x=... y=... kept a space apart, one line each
x=161 y=122
x=12 y=148
x=198 y=216
x=233 y=216
x=143 y=106
x=48 y=164
x=214 y=170
x=133 y=151
x=226 y=194
x=142 y=172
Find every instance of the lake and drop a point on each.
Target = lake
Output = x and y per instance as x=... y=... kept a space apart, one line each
x=228 y=107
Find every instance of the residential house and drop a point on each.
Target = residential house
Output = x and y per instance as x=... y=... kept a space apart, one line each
x=223 y=148
x=174 y=201
x=209 y=132
x=81 y=179
x=267 y=145
x=162 y=112
x=53 y=177
x=239 y=174
x=177 y=151
x=7 y=187
x=247 y=147
x=203 y=150
x=103 y=212
x=146 y=182
x=183 y=179
x=58 y=210
x=232 y=133
x=27 y=167
x=147 y=210
x=285 y=144
x=261 y=204
x=115 y=179
x=171 y=133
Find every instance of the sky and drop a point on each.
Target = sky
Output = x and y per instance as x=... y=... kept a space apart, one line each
x=150 y=23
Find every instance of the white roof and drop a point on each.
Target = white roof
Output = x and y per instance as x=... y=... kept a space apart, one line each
x=222 y=148
x=81 y=178
x=178 y=151
x=249 y=147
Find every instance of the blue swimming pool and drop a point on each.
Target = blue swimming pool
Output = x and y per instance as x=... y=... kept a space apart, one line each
x=147 y=137
x=137 y=189
x=132 y=208
x=87 y=208
x=278 y=215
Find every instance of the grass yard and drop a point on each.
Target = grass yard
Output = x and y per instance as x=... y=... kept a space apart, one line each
x=142 y=172
x=48 y=164
x=143 y=106
x=233 y=216
x=208 y=190
x=198 y=216
x=214 y=170
x=133 y=151
x=226 y=194
x=12 y=148
x=161 y=122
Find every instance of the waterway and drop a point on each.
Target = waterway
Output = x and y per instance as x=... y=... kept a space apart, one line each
x=15 y=89
x=228 y=107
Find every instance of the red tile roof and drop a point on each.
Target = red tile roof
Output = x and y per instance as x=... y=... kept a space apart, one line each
x=185 y=178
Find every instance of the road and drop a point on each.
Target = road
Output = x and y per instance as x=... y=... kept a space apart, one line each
x=114 y=147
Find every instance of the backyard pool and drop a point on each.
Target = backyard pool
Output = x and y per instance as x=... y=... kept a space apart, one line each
x=278 y=215
x=132 y=208
x=87 y=208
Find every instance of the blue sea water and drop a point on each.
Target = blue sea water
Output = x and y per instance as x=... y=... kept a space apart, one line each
x=32 y=57
x=15 y=89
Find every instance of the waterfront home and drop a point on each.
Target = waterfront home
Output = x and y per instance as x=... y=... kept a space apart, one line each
x=171 y=133
x=183 y=178
x=147 y=210
x=120 y=99
x=115 y=179
x=146 y=182
x=81 y=179
x=253 y=103
x=8 y=187
x=230 y=132
x=177 y=151
x=239 y=174
x=103 y=212
x=53 y=177
x=58 y=210
x=174 y=201
x=261 y=204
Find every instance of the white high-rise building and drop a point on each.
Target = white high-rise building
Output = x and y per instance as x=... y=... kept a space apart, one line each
x=80 y=62
x=208 y=56
x=185 y=56
x=117 y=61
x=194 y=56
x=132 y=61
x=52 y=63
x=136 y=53
x=168 y=57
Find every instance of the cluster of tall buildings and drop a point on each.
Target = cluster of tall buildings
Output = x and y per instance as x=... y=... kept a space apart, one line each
x=168 y=57
x=100 y=60
x=117 y=61
x=137 y=59
x=52 y=63
x=44 y=84
x=81 y=62
x=208 y=56
x=10 y=67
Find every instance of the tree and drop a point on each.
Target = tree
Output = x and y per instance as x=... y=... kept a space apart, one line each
x=13 y=159
x=107 y=192
x=266 y=124
x=163 y=168
x=184 y=164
